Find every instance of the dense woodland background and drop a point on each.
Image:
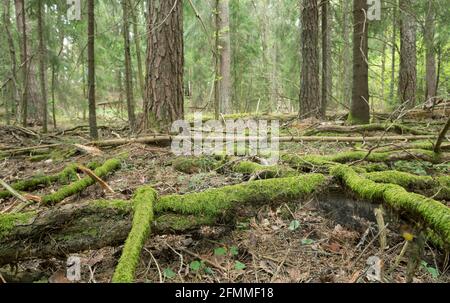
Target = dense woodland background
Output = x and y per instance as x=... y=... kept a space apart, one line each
x=239 y=56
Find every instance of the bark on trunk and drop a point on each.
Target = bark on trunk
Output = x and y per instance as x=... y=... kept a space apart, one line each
x=393 y=52
x=164 y=97
x=408 y=57
x=360 y=111
x=225 y=57
x=346 y=71
x=137 y=42
x=309 y=90
x=128 y=72
x=42 y=66
x=91 y=72
x=326 y=59
x=431 y=78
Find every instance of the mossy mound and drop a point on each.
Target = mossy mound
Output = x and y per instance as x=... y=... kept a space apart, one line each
x=193 y=165
x=263 y=171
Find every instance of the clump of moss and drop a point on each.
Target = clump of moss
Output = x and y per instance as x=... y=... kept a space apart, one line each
x=431 y=212
x=142 y=218
x=9 y=221
x=263 y=171
x=401 y=178
x=191 y=165
x=77 y=186
x=213 y=202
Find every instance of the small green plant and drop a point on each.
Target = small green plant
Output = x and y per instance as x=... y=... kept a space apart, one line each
x=431 y=270
x=307 y=241
x=196 y=265
x=169 y=273
x=295 y=224
x=239 y=265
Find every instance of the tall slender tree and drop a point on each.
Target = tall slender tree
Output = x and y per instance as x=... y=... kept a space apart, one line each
x=128 y=70
x=91 y=71
x=42 y=65
x=430 y=90
x=164 y=99
x=225 y=57
x=309 y=89
x=360 y=110
x=326 y=59
x=408 y=57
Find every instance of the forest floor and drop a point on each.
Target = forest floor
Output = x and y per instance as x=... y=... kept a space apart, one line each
x=327 y=237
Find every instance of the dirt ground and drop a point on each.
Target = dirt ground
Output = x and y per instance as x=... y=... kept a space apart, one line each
x=326 y=238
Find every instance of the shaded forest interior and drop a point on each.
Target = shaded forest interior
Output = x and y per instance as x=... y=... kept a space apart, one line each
x=355 y=93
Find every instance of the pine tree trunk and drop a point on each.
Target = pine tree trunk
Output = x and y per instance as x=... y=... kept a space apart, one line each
x=309 y=90
x=91 y=72
x=326 y=59
x=164 y=97
x=360 y=110
x=346 y=71
x=128 y=72
x=430 y=91
x=15 y=100
x=137 y=42
x=216 y=62
x=408 y=56
x=393 y=51
x=225 y=57
x=42 y=66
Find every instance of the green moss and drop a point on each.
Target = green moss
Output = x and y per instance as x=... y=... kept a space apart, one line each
x=142 y=218
x=264 y=172
x=78 y=186
x=433 y=213
x=401 y=178
x=374 y=167
x=9 y=221
x=182 y=223
x=122 y=205
x=214 y=202
x=192 y=165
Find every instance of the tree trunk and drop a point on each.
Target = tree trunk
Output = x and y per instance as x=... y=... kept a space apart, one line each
x=15 y=100
x=360 y=110
x=225 y=57
x=91 y=72
x=128 y=72
x=53 y=97
x=165 y=60
x=137 y=42
x=346 y=71
x=393 y=52
x=326 y=58
x=408 y=57
x=42 y=66
x=216 y=62
x=430 y=91
x=309 y=90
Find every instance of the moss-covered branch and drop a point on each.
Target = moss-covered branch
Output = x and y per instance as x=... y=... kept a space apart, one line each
x=142 y=217
x=438 y=187
x=78 y=186
x=432 y=213
x=214 y=202
x=263 y=171
x=397 y=128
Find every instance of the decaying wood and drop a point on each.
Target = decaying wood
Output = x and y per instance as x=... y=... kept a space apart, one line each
x=97 y=179
x=397 y=128
x=13 y=191
x=440 y=139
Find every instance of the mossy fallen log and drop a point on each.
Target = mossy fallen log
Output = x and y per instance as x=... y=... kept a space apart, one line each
x=429 y=212
x=397 y=128
x=438 y=187
x=65 y=176
x=308 y=161
x=213 y=202
x=142 y=217
x=78 y=186
x=75 y=227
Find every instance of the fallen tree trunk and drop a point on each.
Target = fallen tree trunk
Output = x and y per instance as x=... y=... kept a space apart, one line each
x=71 y=228
x=440 y=139
x=397 y=128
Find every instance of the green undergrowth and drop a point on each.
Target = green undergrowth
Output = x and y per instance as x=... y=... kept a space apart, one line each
x=432 y=213
x=213 y=202
x=142 y=218
x=78 y=186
